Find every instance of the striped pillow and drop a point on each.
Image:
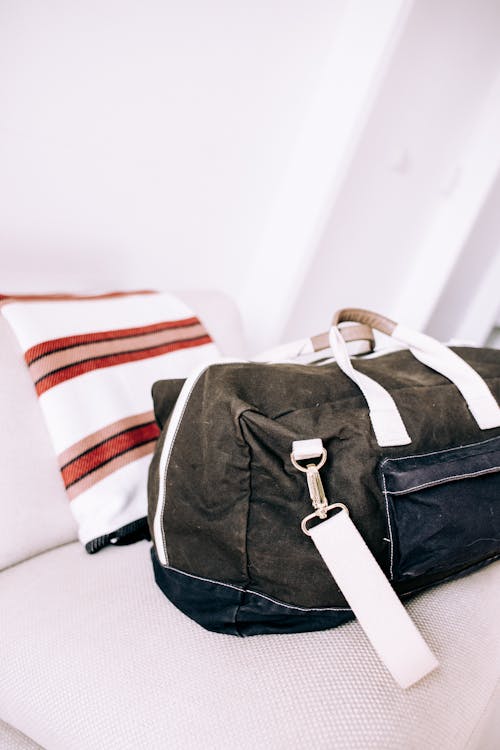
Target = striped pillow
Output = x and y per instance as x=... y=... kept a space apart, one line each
x=93 y=361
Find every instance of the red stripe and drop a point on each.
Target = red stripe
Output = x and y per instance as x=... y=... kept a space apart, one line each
x=81 y=368
x=103 y=453
x=53 y=345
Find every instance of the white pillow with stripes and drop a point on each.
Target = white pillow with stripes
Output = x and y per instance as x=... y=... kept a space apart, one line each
x=93 y=361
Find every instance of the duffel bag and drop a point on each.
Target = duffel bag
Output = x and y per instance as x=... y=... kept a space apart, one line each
x=288 y=497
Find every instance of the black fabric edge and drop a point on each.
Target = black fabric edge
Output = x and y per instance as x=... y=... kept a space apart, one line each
x=438 y=579
x=128 y=534
x=224 y=608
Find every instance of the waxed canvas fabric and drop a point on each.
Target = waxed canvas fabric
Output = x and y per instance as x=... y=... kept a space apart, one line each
x=234 y=502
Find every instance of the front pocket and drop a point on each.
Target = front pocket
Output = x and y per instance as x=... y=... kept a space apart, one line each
x=443 y=509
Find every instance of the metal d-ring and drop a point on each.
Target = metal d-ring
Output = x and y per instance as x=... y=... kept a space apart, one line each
x=322 y=513
x=317 y=466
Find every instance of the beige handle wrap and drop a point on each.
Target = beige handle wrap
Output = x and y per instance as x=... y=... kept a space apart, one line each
x=349 y=333
x=366 y=317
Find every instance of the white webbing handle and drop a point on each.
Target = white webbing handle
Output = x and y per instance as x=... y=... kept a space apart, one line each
x=386 y=420
x=384 y=414
x=358 y=337
x=442 y=359
x=378 y=610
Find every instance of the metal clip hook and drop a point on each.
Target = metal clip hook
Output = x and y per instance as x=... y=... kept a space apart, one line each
x=316 y=490
x=315 y=486
x=314 y=483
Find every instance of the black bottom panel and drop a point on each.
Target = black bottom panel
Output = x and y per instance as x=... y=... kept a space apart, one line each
x=231 y=610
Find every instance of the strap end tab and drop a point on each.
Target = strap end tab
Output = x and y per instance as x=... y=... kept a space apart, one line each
x=304 y=449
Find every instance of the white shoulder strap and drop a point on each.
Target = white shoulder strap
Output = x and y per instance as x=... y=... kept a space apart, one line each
x=386 y=420
x=442 y=359
x=369 y=594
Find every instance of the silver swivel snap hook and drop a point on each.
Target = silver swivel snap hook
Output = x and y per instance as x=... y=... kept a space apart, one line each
x=303 y=450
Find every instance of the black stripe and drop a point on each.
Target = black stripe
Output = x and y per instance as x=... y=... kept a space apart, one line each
x=113 y=338
x=229 y=609
x=108 y=460
x=116 y=354
x=106 y=440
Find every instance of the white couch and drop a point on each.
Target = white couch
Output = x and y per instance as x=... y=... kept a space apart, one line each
x=93 y=656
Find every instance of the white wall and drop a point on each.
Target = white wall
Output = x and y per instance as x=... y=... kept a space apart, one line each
x=417 y=182
x=474 y=280
x=300 y=155
x=141 y=141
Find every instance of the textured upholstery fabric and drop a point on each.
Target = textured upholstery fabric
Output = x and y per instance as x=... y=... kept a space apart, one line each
x=11 y=739
x=93 y=656
x=486 y=736
x=34 y=510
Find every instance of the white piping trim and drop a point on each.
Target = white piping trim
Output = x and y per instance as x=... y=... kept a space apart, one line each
x=173 y=427
x=386 y=420
x=262 y=596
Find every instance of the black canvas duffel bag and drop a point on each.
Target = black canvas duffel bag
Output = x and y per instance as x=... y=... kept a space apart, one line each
x=265 y=473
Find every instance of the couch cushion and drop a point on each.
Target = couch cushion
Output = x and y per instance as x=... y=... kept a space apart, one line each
x=34 y=509
x=93 y=656
x=11 y=739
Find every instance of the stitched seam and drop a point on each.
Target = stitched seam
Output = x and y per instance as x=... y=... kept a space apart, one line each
x=300 y=609
x=436 y=453
x=256 y=593
x=389 y=527
x=445 y=479
x=206 y=580
x=238 y=608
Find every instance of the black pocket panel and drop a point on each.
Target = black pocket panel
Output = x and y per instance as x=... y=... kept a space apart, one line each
x=443 y=509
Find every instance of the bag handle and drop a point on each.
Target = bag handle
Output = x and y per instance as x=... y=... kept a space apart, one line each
x=365 y=317
x=359 y=337
x=357 y=332
x=427 y=350
x=386 y=420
